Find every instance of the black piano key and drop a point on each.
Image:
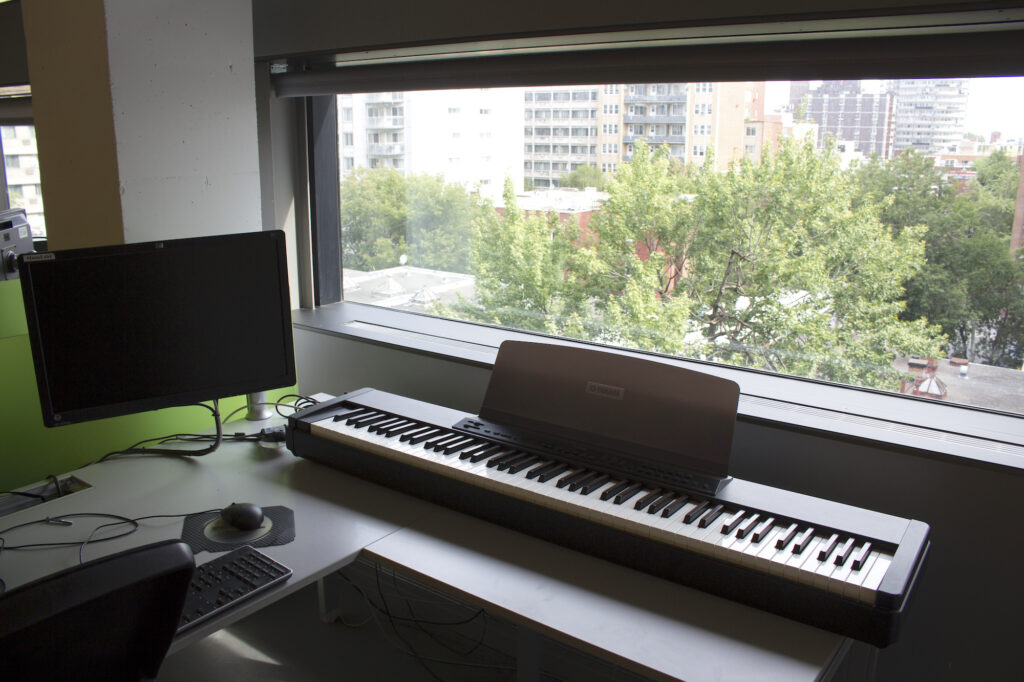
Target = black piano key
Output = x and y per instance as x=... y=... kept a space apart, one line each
x=676 y=505
x=503 y=456
x=495 y=456
x=541 y=468
x=367 y=419
x=571 y=478
x=731 y=525
x=509 y=461
x=352 y=412
x=551 y=473
x=466 y=454
x=843 y=555
x=479 y=454
x=804 y=538
x=440 y=440
x=750 y=524
x=523 y=464
x=399 y=429
x=452 y=448
x=763 y=530
x=694 y=513
x=409 y=435
x=861 y=556
x=614 y=490
x=647 y=499
x=376 y=427
x=594 y=483
x=830 y=545
x=421 y=436
x=628 y=493
x=580 y=482
x=711 y=516
x=788 y=536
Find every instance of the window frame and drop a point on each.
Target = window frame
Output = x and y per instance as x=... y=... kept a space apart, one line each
x=892 y=420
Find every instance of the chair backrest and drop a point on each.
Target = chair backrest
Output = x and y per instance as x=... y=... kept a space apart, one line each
x=108 y=619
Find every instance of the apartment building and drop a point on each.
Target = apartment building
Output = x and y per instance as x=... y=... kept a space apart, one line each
x=844 y=112
x=21 y=166
x=473 y=137
x=930 y=114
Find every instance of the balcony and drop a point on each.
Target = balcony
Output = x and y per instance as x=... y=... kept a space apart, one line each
x=667 y=118
x=655 y=139
x=384 y=97
x=394 y=149
x=640 y=99
x=385 y=122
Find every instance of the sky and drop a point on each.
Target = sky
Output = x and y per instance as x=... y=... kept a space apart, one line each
x=993 y=104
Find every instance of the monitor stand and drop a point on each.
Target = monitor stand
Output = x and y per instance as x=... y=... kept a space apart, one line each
x=257 y=410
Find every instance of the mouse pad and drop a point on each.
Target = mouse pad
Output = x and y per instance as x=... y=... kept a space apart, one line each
x=206 y=531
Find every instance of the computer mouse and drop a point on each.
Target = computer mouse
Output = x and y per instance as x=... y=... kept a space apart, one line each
x=242 y=515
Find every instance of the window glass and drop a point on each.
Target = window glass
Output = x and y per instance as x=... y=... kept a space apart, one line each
x=21 y=169
x=855 y=232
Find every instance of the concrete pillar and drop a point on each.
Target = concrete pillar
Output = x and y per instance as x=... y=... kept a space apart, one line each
x=145 y=118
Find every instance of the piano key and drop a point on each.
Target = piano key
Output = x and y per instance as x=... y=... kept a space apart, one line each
x=660 y=503
x=453 y=446
x=541 y=468
x=367 y=419
x=647 y=499
x=502 y=456
x=466 y=454
x=844 y=552
x=524 y=463
x=351 y=413
x=729 y=526
x=763 y=530
x=572 y=477
x=377 y=426
x=830 y=545
x=614 y=490
x=711 y=516
x=787 y=538
x=748 y=525
x=578 y=483
x=594 y=483
x=694 y=514
x=803 y=540
x=678 y=504
x=420 y=436
x=860 y=556
x=441 y=439
x=399 y=429
x=506 y=462
x=628 y=493
x=496 y=451
x=551 y=473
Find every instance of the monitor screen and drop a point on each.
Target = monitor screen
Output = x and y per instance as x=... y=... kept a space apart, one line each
x=123 y=329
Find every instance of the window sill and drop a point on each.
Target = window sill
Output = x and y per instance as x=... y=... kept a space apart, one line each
x=894 y=421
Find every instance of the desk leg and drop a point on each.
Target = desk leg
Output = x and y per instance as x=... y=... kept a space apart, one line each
x=528 y=647
x=328 y=594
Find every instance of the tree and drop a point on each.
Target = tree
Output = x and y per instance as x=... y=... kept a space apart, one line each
x=386 y=215
x=970 y=285
x=585 y=176
x=791 y=275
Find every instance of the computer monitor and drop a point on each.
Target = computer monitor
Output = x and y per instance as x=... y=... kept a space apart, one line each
x=122 y=329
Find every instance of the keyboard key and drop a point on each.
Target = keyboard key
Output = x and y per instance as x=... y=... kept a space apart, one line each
x=830 y=545
x=628 y=493
x=787 y=537
x=647 y=499
x=676 y=505
x=614 y=490
x=711 y=516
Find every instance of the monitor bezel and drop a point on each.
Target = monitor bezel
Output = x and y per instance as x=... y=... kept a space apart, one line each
x=27 y=263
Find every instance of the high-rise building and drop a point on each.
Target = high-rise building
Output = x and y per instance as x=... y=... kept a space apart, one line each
x=930 y=114
x=471 y=137
x=561 y=127
x=848 y=115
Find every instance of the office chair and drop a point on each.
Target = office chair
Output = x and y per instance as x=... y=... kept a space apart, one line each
x=108 y=619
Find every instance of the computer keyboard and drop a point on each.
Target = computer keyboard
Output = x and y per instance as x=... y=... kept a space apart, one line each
x=228 y=580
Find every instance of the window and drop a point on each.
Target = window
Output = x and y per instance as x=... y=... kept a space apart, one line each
x=716 y=307
x=346 y=139
x=20 y=170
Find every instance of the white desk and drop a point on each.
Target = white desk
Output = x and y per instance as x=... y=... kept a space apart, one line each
x=647 y=624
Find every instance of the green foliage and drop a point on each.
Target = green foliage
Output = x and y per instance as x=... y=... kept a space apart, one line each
x=385 y=215
x=585 y=176
x=970 y=286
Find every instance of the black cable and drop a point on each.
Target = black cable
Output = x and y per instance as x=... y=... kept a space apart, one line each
x=136 y=450
x=18 y=492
